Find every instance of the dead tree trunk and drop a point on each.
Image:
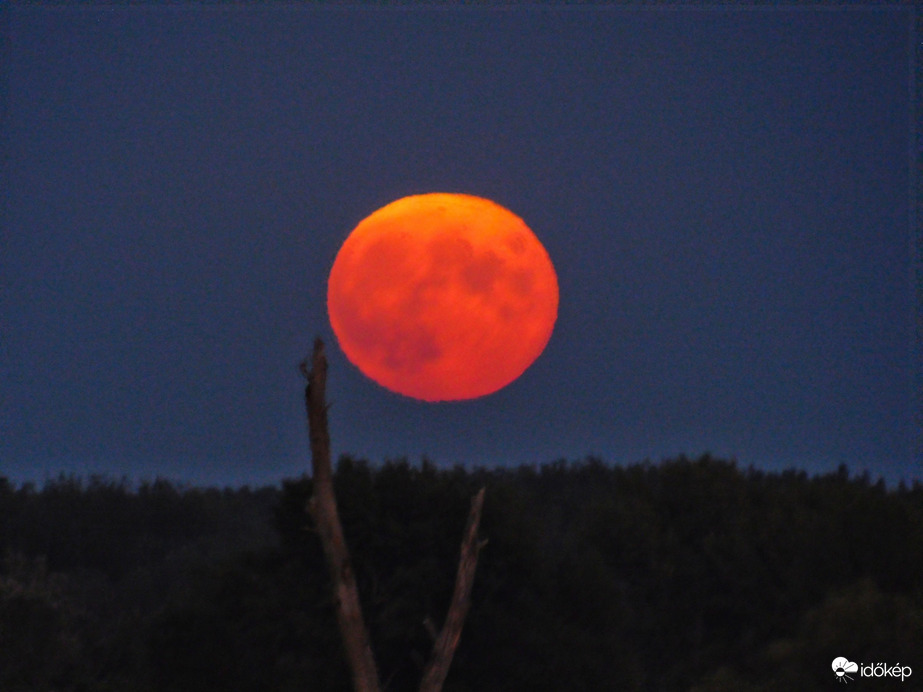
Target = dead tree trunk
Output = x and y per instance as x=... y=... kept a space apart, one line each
x=323 y=508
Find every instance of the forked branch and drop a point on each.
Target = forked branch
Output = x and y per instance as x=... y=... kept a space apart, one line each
x=323 y=509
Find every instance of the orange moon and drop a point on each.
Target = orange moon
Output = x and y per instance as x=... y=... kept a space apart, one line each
x=442 y=296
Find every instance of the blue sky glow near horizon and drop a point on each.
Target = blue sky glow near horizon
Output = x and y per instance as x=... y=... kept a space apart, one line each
x=724 y=193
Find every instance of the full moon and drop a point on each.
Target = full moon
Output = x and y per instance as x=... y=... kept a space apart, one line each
x=442 y=296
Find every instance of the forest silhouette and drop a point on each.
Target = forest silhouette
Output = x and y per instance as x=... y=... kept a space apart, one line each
x=690 y=574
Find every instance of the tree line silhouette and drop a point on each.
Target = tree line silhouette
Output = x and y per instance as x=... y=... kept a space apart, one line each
x=691 y=574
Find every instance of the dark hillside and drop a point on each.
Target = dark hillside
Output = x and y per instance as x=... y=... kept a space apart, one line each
x=689 y=574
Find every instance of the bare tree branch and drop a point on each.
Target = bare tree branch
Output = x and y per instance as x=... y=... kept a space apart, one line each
x=323 y=508
x=444 y=649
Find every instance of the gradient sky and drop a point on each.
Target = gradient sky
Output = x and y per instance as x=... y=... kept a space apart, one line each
x=725 y=194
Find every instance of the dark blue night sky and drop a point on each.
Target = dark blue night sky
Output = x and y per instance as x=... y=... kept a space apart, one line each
x=725 y=194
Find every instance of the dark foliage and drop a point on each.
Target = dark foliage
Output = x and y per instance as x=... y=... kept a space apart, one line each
x=687 y=575
x=85 y=566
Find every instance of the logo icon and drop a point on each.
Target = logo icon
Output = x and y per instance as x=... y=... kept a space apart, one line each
x=843 y=666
